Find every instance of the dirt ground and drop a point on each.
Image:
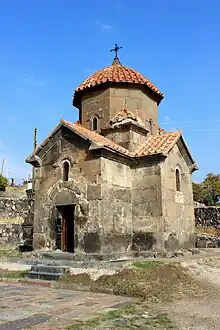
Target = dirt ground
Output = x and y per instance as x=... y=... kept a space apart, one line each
x=202 y=313
x=198 y=309
x=170 y=298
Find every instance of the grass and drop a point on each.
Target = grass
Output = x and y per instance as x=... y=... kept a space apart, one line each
x=148 y=264
x=75 y=282
x=5 y=253
x=12 y=274
x=80 y=279
x=12 y=220
x=131 y=317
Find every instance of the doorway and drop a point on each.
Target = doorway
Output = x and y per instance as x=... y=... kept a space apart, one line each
x=66 y=213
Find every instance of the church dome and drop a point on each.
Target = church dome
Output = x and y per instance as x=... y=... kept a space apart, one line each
x=115 y=73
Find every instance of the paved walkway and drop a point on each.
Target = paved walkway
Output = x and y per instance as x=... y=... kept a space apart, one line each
x=35 y=307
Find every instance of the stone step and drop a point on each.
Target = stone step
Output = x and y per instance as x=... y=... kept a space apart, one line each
x=47 y=269
x=71 y=263
x=43 y=276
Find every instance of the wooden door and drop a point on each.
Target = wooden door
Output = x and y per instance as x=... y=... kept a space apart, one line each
x=58 y=231
x=64 y=235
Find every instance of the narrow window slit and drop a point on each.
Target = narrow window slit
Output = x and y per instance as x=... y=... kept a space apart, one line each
x=66 y=168
x=178 y=183
x=95 y=124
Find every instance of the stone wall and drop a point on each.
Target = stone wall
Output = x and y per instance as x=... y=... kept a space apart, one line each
x=116 y=221
x=135 y=100
x=207 y=216
x=177 y=205
x=11 y=235
x=107 y=102
x=96 y=104
x=14 y=220
x=207 y=219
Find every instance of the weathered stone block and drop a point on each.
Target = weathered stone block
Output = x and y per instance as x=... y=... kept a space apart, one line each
x=115 y=242
x=144 y=241
x=94 y=191
x=92 y=243
x=66 y=197
x=39 y=241
x=172 y=243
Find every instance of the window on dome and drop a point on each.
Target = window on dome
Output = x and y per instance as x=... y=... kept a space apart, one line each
x=95 y=124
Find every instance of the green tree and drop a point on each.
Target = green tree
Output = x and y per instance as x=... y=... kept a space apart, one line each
x=197 y=192
x=208 y=191
x=3 y=183
x=211 y=189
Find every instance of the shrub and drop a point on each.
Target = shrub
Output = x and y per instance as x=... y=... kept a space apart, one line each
x=3 y=183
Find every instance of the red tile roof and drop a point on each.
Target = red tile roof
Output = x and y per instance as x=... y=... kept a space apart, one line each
x=119 y=74
x=154 y=144
x=157 y=144
x=96 y=137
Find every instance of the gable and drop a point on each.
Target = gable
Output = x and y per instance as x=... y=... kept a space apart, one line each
x=60 y=143
x=177 y=157
x=181 y=144
x=68 y=146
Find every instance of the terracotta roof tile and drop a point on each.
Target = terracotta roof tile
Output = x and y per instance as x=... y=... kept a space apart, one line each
x=154 y=144
x=157 y=144
x=117 y=73
x=96 y=137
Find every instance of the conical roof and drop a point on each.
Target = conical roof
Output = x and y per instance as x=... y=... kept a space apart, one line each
x=116 y=73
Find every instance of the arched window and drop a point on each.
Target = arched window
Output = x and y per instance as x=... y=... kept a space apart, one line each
x=178 y=183
x=150 y=126
x=95 y=124
x=66 y=168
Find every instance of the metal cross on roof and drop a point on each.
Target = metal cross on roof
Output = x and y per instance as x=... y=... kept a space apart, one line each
x=116 y=49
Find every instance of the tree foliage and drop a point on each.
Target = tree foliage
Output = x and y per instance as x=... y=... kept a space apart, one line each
x=208 y=191
x=3 y=183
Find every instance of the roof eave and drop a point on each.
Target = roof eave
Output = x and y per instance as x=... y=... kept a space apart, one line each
x=194 y=168
x=159 y=154
x=189 y=153
x=64 y=124
x=78 y=92
x=165 y=153
x=94 y=145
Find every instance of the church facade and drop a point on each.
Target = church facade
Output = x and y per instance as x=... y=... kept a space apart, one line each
x=114 y=180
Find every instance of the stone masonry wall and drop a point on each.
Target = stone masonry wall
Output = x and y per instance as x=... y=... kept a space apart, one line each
x=207 y=216
x=13 y=213
x=207 y=220
x=177 y=206
x=136 y=101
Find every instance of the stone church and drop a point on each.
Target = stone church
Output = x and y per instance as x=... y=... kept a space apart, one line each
x=113 y=181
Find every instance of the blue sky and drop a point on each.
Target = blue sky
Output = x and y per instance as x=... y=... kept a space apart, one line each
x=49 y=47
